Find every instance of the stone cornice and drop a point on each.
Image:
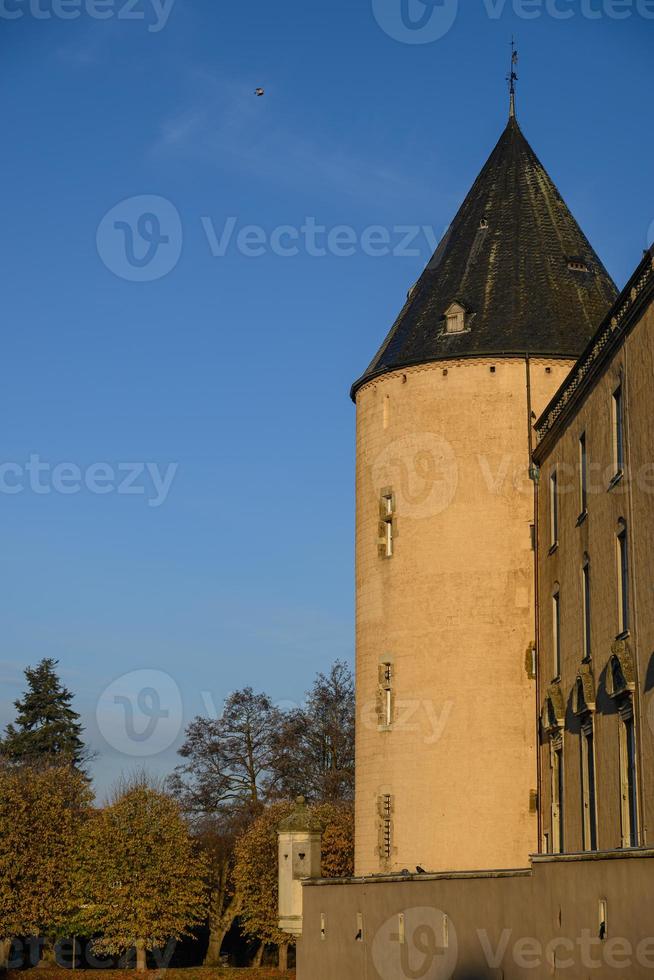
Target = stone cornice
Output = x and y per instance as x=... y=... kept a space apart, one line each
x=623 y=316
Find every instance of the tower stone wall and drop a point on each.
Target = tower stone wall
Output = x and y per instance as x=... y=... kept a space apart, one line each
x=446 y=723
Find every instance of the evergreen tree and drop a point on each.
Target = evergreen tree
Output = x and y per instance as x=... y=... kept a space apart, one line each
x=47 y=729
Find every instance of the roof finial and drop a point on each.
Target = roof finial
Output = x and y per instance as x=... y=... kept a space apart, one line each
x=512 y=78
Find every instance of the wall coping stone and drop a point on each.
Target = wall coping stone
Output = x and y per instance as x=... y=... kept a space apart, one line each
x=536 y=859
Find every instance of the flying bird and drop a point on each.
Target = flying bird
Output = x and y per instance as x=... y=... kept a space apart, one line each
x=259 y=92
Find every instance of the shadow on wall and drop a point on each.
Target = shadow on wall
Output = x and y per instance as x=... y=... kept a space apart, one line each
x=649 y=676
x=605 y=705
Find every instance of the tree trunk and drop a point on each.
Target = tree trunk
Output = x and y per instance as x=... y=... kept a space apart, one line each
x=140 y=956
x=5 y=953
x=48 y=960
x=216 y=939
x=283 y=957
x=257 y=959
x=219 y=926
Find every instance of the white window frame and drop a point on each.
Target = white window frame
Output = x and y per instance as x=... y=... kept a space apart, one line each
x=386 y=678
x=387 y=517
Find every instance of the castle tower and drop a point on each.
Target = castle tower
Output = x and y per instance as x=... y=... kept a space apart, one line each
x=446 y=716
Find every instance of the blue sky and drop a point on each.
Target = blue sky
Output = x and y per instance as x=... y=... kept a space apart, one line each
x=229 y=375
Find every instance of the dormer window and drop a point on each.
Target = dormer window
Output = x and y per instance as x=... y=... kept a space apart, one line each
x=455 y=319
x=577 y=265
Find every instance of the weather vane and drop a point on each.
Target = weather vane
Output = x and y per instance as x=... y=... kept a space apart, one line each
x=512 y=77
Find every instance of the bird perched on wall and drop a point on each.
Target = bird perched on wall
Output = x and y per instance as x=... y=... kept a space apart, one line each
x=259 y=92
x=421 y=871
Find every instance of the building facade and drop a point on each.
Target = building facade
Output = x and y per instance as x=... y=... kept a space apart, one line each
x=596 y=579
x=505 y=614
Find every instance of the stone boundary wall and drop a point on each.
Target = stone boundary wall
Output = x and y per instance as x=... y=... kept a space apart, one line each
x=540 y=922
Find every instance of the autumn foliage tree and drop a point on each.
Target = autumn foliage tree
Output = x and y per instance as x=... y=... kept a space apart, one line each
x=141 y=881
x=337 y=849
x=43 y=810
x=215 y=839
x=256 y=867
x=226 y=777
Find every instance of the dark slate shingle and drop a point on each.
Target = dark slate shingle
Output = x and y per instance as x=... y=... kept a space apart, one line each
x=506 y=260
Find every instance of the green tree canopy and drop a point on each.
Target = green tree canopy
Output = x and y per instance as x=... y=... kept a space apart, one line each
x=47 y=728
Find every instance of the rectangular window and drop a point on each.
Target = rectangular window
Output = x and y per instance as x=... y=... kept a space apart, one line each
x=557 y=798
x=588 y=787
x=386 y=524
x=556 y=633
x=618 y=430
x=623 y=581
x=385 y=702
x=385 y=804
x=628 y=780
x=554 y=509
x=586 y=599
x=583 y=475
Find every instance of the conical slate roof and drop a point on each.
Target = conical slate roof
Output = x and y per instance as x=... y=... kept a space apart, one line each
x=516 y=261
